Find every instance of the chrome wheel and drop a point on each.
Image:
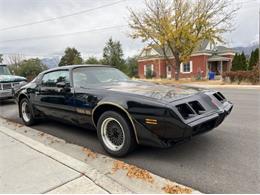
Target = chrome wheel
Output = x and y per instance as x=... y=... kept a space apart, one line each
x=112 y=134
x=26 y=114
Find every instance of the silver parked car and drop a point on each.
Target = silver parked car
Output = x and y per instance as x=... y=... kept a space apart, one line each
x=9 y=83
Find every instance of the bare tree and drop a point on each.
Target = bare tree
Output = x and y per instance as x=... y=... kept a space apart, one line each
x=14 y=61
x=181 y=25
x=1 y=58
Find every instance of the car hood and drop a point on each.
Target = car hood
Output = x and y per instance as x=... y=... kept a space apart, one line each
x=163 y=92
x=11 y=78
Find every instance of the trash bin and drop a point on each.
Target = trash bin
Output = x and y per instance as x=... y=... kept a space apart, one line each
x=211 y=75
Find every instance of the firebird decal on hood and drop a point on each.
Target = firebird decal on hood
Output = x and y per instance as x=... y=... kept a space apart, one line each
x=162 y=92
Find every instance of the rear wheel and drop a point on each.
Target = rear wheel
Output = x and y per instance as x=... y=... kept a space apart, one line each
x=115 y=134
x=26 y=112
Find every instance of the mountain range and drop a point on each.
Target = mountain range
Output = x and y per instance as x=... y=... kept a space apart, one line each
x=246 y=49
x=51 y=62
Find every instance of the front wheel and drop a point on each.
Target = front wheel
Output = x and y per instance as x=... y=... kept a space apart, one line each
x=26 y=112
x=115 y=134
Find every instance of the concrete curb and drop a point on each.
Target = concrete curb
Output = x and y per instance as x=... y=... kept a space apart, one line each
x=97 y=169
x=225 y=86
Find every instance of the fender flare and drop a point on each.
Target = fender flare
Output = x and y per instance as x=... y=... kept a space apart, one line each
x=122 y=109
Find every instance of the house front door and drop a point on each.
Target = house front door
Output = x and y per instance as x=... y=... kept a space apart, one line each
x=169 y=71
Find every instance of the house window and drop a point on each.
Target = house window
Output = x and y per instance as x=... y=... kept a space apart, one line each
x=186 y=67
x=148 y=70
x=148 y=52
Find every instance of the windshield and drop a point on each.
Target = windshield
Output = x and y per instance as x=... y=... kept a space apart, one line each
x=89 y=76
x=4 y=70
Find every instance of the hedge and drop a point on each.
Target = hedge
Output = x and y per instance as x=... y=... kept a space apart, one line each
x=252 y=76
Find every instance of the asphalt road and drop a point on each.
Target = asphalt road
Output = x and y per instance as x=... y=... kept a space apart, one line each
x=225 y=160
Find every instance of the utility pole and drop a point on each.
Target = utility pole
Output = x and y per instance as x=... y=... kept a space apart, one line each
x=259 y=43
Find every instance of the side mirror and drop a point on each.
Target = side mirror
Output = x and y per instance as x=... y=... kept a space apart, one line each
x=61 y=84
x=64 y=86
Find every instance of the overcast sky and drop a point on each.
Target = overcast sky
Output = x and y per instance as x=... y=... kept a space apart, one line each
x=17 y=12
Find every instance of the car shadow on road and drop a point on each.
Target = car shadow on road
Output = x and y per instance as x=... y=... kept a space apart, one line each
x=6 y=102
x=88 y=138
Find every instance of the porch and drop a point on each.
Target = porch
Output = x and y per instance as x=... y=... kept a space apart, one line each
x=218 y=65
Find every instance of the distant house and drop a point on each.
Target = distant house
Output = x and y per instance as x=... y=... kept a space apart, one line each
x=207 y=57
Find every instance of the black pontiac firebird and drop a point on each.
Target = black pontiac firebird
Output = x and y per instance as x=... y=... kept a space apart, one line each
x=124 y=112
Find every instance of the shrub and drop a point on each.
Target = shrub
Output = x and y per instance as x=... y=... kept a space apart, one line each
x=247 y=76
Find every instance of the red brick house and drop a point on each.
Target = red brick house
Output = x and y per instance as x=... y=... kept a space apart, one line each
x=207 y=57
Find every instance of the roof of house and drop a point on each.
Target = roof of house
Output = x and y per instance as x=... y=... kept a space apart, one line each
x=204 y=47
x=217 y=58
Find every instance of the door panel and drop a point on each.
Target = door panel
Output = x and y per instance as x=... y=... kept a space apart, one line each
x=54 y=101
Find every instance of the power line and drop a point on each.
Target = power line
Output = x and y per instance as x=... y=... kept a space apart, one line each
x=246 y=2
x=61 y=17
x=63 y=35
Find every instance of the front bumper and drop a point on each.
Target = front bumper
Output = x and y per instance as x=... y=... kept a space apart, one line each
x=9 y=93
x=6 y=94
x=209 y=122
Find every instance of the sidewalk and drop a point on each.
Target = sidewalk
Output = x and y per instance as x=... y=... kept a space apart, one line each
x=25 y=169
x=204 y=84
x=29 y=165
x=226 y=86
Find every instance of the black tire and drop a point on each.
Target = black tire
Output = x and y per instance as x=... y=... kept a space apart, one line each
x=30 y=120
x=129 y=142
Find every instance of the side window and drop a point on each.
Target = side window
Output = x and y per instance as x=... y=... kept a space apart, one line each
x=80 y=78
x=52 y=78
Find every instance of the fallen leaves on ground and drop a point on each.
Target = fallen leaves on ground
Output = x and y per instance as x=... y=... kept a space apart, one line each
x=89 y=153
x=133 y=171
x=19 y=125
x=176 y=189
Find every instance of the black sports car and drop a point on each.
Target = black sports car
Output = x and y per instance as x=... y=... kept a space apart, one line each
x=124 y=112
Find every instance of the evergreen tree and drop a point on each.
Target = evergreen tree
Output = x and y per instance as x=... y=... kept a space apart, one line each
x=235 y=62
x=253 y=59
x=113 y=55
x=132 y=65
x=243 y=62
x=239 y=62
x=71 y=56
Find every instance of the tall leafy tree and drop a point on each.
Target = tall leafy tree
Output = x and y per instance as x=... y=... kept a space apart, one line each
x=179 y=26
x=71 y=56
x=1 y=58
x=30 y=68
x=113 y=55
x=254 y=57
x=92 y=60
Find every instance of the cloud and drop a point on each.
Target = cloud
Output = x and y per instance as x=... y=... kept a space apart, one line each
x=15 y=12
